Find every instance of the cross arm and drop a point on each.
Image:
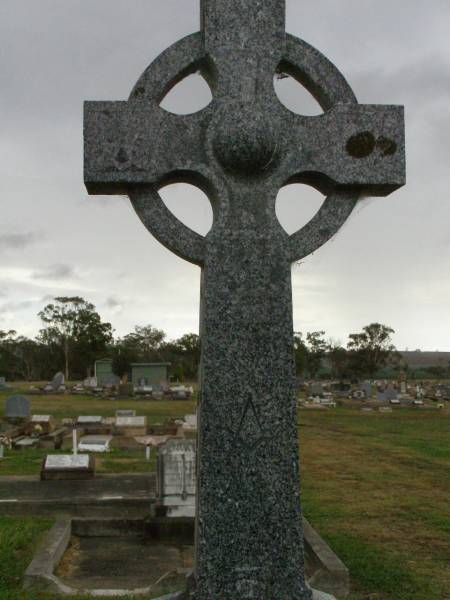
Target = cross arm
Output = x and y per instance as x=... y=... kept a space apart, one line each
x=351 y=145
x=128 y=143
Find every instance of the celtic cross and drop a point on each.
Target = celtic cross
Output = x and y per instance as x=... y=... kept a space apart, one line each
x=241 y=149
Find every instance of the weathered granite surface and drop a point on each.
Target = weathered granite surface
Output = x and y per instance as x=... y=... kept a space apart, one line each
x=241 y=150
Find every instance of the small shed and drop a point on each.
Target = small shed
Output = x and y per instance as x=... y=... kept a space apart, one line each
x=104 y=373
x=149 y=373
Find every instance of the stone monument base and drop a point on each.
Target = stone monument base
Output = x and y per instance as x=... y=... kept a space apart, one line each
x=57 y=571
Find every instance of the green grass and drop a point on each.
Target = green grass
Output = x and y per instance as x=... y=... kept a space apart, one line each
x=376 y=486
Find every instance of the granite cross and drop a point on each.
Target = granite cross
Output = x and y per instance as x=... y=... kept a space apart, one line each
x=241 y=149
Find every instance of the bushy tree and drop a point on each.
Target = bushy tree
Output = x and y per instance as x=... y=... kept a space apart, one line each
x=144 y=343
x=74 y=327
x=371 y=349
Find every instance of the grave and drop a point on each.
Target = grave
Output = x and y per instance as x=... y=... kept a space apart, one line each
x=315 y=389
x=125 y=412
x=131 y=426
x=56 y=384
x=190 y=423
x=95 y=424
x=67 y=466
x=241 y=150
x=176 y=478
x=42 y=423
x=53 y=440
x=26 y=442
x=17 y=408
x=95 y=443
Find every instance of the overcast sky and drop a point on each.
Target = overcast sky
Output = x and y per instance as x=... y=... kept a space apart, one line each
x=391 y=261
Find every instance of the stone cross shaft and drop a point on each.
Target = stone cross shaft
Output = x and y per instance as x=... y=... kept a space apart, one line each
x=241 y=149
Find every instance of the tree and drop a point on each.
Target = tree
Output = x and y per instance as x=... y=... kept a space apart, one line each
x=300 y=353
x=74 y=326
x=123 y=356
x=372 y=349
x=7 y=358
x=339 y=360
x=317 y=349
x=145 y=342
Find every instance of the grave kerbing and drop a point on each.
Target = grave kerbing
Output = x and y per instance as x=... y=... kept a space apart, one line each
x=241 y=149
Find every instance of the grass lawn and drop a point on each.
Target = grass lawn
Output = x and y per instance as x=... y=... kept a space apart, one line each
x=376 y=486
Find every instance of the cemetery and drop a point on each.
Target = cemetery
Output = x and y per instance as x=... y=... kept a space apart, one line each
x=261 y=478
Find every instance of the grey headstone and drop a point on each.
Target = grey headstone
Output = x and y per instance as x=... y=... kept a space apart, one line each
x=90 y=382
x=17 y=407
x=125 y=412
x=367 y=389
x=391 y=393
x=177 y=477
x=241 y=150
x=57 y=381
x=315 y=389
x=382 y=396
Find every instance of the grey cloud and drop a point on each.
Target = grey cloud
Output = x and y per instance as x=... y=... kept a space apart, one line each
x=113 y=302
x=14 y=241
x=56 y=271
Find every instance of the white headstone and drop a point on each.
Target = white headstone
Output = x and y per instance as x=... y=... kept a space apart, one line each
x=131 y=421
x=67 y=461
x=95 y=443
x=86 y=419
x=41 y=418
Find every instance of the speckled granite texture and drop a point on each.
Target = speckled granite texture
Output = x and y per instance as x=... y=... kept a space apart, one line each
x=241 y=150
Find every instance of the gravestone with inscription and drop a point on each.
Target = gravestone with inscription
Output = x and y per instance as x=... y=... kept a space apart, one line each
x=67 y=466
x=17 y=408
x=177 y=477
x=241 y=149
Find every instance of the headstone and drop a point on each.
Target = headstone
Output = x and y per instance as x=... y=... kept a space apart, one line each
x=382 y=396
x=3 y=385
x=57 y=381
x=126 y=389
x=68 y=466
x=95 y=443
x=131 y=425
x=17 y=407
x=190 y=422
x=242 y=149
x=42 y=423
x=367 y=389
x=125 y=412
x=26 y=442
x=90 y=382
x=315 y=389
x=89 y=420
x=177 y=477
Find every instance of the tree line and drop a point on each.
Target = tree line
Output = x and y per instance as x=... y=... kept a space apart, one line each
x=73 y=336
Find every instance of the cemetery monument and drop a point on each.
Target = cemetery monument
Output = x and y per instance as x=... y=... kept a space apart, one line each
x=241 y=149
